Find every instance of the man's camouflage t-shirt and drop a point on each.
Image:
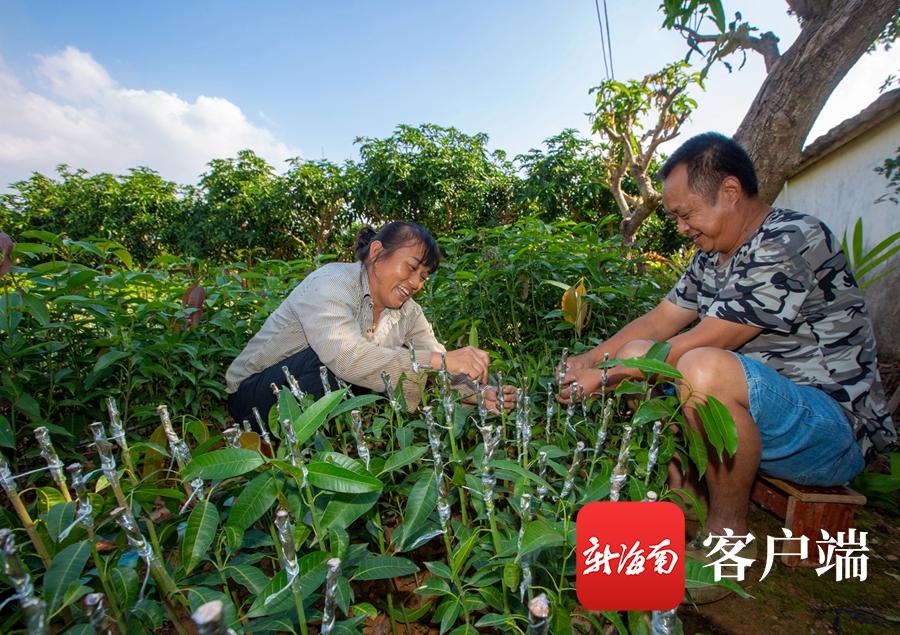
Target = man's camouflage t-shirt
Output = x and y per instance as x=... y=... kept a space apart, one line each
x=791 y=279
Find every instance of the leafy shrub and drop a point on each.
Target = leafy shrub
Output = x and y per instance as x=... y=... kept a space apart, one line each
x=474 y=515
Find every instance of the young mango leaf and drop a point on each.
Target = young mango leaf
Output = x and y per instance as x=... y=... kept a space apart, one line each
x=696 y=575
x=496 y=619
x=505 y=465
x=248 y=577
x=458 y=561
x=419 y=506
x=58 y=518
x=124 y=584
x=151 y=614
x=696 y=447
x=539 y=534
x=308 y=422
x=652 y=366
x=402 y=458
x=255 y=499
x=224 y=463
x=287 y=406
x=654 y=409
x=719 y=425
x=342 y=460
x=7 y=438
x=335 y=478
x=200 y=532
x=384 y=567
x=109 y=358
x=409 y=616
x=630 y=387
x=439 y=569
x=357 y=402
x=63 y=571
x=313 y=569
x=343 y=509
x=658 y=351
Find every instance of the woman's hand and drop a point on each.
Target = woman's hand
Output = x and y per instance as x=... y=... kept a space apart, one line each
x=589 y=380
x=491 y=401
x=469 y=361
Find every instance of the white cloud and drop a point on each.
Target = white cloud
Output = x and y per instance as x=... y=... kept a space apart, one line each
x=82 y=117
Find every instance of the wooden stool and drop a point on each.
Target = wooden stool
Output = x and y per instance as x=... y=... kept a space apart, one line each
x=806 y=510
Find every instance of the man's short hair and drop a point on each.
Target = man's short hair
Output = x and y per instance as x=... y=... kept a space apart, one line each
x=709 y=158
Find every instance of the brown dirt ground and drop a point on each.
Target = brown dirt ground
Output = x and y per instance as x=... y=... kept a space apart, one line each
x=797 y=601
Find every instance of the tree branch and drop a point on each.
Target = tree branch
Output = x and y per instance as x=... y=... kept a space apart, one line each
x=739 y=38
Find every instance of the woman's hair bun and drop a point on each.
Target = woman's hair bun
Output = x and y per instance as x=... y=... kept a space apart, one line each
x=361 y=245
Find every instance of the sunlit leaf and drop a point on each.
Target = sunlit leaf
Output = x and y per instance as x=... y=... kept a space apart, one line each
x=199 y=534
x=383 y=567
x=224 y=463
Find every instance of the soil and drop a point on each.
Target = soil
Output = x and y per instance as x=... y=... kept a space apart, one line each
x=798 y=601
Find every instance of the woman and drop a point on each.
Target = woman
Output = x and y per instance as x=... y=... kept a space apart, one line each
x=358 y=320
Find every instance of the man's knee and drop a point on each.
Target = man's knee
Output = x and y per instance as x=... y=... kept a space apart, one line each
x=711 y=371
x=634 y=348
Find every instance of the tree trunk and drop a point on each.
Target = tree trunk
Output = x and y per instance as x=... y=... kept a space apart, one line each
x=801 y=81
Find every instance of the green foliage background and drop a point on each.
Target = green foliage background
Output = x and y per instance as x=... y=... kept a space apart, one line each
x=80 y=321
x=243 y=209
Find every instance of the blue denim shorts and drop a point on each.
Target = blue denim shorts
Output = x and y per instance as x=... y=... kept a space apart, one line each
x=805 y=435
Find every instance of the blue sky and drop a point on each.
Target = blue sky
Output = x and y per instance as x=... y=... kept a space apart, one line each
x=171 y=85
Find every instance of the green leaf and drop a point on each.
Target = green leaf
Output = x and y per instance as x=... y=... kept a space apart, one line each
x=151 y=613
x=58 y=518
x=651 y=366
x=658 y=351
x=343 y=509
x=287 y=406
x=655 y=409
x=224 y=463
x=7 y=438
x=334 y=478
x=696 y=447
x=248 y=577
x=108 y=358
x=439 y=569
x=63 y=571
x=511 y=574
x=473 y=335
x=505 y=465
x=38 y=309
x=718 y=14
x=254 y=501
x=200 y=532
x=402 y=458
x=308 y=422
x=539 y=534
x=125 y=585
x=313 y=569
x=696 y=575
x=462 y=553
x=419 y=506
x=31 y=248
x=410 y=616
x=494 y=619
x=719 y=425
x=355 y=403
x=384 y=567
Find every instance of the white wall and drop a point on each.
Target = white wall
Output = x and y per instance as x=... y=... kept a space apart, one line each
x=842 y=187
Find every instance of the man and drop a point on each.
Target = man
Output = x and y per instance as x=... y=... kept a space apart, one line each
x=778 y=333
